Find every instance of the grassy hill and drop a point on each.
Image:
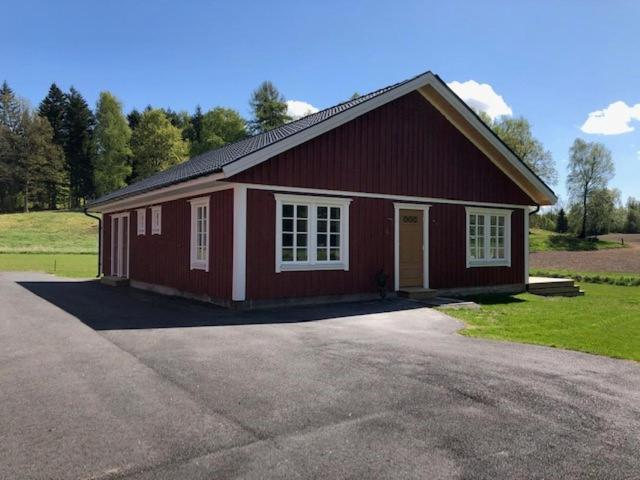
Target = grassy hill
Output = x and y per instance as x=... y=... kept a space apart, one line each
x=545 y=241
x=64 y=243
x=48 y=232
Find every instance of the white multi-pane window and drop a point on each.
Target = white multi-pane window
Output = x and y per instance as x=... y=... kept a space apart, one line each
x=156 y=220
x=488 y=237
x=312 y=233
x=200 y=234
x=141 y=217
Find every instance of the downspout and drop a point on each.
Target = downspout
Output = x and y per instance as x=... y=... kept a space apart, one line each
x=535 y=211
x=99 y=240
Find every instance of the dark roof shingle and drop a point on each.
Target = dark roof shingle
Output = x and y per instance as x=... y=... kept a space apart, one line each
x=213 y=161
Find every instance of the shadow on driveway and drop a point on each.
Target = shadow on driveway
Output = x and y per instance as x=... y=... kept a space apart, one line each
x=107 y=308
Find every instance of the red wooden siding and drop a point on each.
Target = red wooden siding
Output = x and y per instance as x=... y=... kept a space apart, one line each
x=371 y=248
x=165 y=259
x=447 y=251
x=406 y=147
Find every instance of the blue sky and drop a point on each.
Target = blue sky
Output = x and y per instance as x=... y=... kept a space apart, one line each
x=553 y=62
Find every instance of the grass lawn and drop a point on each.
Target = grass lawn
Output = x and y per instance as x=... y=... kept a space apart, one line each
x=63 y=264
x=613 y=278
x=545 y=241
x=48 y=232
x=606 y=321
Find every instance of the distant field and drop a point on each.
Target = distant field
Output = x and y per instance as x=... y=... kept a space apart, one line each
x=48 y=232
x=546 y=241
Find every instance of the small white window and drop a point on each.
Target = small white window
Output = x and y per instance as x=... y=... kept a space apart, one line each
x=488 y=237
x=156 y=220
x=141 y=215
x=200 y=234
x=312 y=233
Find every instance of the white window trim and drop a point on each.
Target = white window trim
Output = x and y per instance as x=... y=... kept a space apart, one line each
x=196 y=264
x=156 y=228
x=487 y=262
x=141 y=221
x=313 y=202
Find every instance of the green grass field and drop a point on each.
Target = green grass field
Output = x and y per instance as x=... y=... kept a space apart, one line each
x=62 y=243
x=545 y=241
x=606 y=321
x=63 y=264
x=48 y=232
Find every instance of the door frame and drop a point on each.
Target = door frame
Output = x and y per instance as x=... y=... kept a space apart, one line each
x=425 y=241
x=113 y=218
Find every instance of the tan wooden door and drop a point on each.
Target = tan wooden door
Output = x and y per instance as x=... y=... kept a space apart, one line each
x=411 y=251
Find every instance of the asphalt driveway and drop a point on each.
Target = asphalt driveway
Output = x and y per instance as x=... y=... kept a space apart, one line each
x=99 y=383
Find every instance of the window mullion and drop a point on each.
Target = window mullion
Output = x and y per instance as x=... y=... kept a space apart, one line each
x=311 y=235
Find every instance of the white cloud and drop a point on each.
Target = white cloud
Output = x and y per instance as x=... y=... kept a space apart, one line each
x=613 y=120
x=482 y=97
x=297 y=109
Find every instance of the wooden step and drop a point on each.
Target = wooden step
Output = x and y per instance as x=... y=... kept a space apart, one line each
x=115 y=281
x=417 y=293
x=553 y=287
x=543 y=282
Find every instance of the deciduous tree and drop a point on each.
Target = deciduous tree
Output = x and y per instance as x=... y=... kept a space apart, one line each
x=220 y=126
x=156 y=144
x=111 y=138
x=590 y=169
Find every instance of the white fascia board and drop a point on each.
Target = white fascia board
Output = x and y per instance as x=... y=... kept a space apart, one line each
x=198 y=186
x=483 y=129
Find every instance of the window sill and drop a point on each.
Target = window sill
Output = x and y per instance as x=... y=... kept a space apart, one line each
x=501 y=263
x=200 y=266
x=302 y=267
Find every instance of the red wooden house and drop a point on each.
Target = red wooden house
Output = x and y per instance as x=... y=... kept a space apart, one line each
x=406 y=180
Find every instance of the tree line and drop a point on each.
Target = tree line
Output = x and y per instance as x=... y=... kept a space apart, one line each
x=63 y=153
x=593 y=208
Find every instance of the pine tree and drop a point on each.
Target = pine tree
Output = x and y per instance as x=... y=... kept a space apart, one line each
x=40 y=160
x=156 y=144
x=11 y=130
x=133 y=119
x=268 y=107
x=562 y=225
x=111 y=139
x=79 y=123
x=193 y=131
x=53 y=108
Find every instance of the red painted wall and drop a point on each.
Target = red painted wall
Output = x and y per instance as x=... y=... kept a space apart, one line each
x=406 y=147
x=165 y=259
x=371 y=248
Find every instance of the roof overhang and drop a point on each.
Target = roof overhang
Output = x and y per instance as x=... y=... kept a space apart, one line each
x=450 y=105
x=432 y=88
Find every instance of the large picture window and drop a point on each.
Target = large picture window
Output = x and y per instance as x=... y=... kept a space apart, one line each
x=312 y=233
x=488 y=237
x=200 y=234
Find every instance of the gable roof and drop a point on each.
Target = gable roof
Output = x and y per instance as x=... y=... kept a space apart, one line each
x=236 y=157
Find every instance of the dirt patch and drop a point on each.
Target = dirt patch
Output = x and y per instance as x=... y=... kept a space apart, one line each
x=624 y=260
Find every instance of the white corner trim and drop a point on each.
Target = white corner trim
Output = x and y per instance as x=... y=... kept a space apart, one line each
x=313 y=202
x=196 y=264
x=397 y=206
x=506 y=262
x=239 y=284
x=156 y=220
x=141 y=221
